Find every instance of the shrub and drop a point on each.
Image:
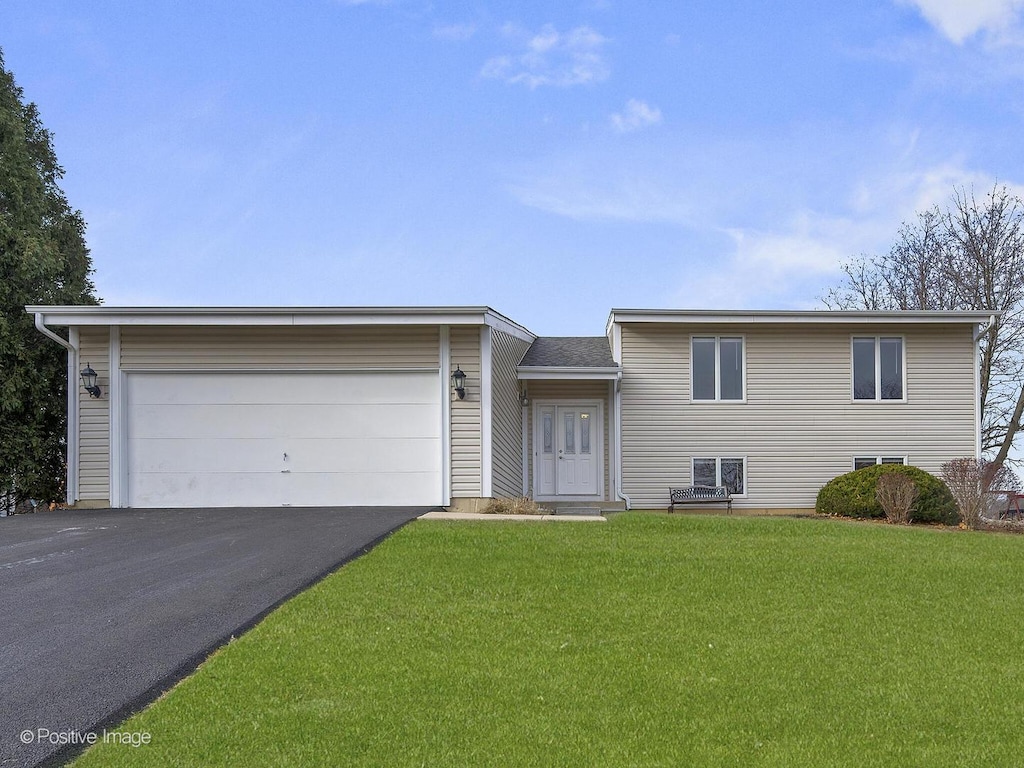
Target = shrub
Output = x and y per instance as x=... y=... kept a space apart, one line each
x=854 y=495
x=896 y=493
x=970 y=480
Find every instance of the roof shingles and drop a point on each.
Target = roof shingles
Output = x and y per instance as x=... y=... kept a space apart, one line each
x=569 y=352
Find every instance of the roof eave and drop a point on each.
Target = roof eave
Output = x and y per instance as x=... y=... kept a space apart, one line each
x=278 y=316
x=528 y=372
x=797 y=317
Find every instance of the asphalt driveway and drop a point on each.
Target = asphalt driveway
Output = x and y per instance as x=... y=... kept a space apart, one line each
x=102 y=610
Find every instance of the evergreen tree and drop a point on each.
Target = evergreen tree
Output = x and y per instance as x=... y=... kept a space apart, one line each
x=43 y=260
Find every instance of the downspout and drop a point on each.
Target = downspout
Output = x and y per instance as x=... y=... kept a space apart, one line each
x=978 y=336
x=618 y=442
x=41 y=327
x=71 y=484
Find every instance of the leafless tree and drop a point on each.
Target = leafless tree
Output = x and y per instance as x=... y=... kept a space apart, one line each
x=897 y=494
x=971 y=480
x=970 y=256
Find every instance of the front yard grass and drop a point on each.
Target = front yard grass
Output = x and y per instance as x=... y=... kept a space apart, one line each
x=649 y=640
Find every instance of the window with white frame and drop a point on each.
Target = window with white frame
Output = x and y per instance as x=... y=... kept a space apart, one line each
x=717 y=368
x=878 y=369
x=717 y=470
x=859 y=462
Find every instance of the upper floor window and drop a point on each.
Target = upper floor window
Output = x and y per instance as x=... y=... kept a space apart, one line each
x=878 y=368
x=717 y=368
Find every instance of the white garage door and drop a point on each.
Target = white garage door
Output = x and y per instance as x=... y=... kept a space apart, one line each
x=301 y=439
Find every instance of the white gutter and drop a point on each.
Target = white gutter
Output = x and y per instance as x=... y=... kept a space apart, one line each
x=983 y=329
x=41 y=327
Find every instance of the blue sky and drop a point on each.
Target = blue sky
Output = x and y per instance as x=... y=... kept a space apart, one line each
x=550 y=160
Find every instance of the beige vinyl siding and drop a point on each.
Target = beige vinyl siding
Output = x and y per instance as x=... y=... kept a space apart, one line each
x=506 y=415
x=94 y=417
x=569 y=391
x=465 y=435
x=331 y=347
x=799 y=426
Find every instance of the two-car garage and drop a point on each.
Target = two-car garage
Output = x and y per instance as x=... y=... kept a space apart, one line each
x=282 y=438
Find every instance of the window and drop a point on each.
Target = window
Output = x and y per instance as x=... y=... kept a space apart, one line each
x=860 y=462
x=730 y=472
x=878 y=368
x=716 y=368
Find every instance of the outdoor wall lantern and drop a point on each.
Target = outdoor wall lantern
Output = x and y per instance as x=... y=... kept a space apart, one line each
x=459 y=382
x=89 y=381
x=524 y=398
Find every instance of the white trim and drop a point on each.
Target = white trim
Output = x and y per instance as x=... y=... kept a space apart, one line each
x=486 y=436
x=527 y=372
x=718 y=373
x=118 y=437
x=807 y=316
x=878 y=399
x=613 y=442
x=444 y=365
x=718 y=456
x=977 y=393
x=571 y=403
x=303 y=316
x=501 y=323
x=524 y=418
x=617 y=343
x=74 y=418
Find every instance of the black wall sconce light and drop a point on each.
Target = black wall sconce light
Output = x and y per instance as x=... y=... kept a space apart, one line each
x=89 y=381
x=459 y=382
x=524 y=397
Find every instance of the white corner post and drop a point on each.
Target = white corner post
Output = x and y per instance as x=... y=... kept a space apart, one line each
x=446 y=414
x=486 y=458
x=115 y=396
x=74 y=418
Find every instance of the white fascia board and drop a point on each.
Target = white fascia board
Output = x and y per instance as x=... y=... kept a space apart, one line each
x=528 y=372
x=499 y=322
x=272 y=316
x=799 y=317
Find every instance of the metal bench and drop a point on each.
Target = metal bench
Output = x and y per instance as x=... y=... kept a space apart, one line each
x=699 y=494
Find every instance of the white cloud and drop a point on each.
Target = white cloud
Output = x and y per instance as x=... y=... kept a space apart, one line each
x=959 y=20
x=637 y=114
x=454 y=32
x=551 y=58
x=801 y=258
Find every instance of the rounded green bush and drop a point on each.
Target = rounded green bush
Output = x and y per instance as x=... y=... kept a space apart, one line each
x=853 y=495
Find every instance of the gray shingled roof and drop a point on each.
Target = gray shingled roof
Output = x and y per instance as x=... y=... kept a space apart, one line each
x=569 y=352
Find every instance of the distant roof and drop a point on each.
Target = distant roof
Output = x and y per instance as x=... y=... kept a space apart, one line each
x=569 y=352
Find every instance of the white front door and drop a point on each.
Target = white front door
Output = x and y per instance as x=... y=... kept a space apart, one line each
x=568 y=450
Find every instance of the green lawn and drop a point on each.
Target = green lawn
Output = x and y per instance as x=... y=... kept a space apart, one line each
x=649 y=640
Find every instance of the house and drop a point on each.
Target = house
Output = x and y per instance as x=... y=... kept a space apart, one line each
x=358 y=406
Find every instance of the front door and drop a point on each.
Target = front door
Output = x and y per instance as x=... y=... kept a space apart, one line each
x=567 y=450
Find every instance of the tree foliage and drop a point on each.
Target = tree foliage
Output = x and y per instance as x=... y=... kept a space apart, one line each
x=969 y=256
x=43 y=260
